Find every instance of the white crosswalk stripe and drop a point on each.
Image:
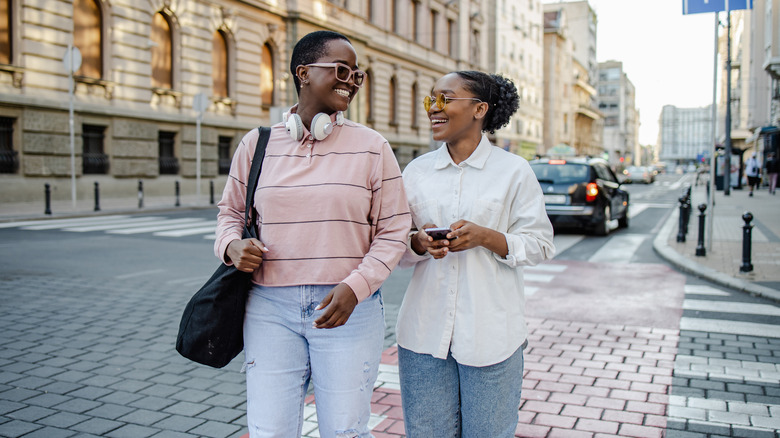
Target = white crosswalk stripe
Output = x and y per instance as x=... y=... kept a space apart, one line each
x=123 y=225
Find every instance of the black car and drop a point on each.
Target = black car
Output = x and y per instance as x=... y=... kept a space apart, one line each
x=581 y=192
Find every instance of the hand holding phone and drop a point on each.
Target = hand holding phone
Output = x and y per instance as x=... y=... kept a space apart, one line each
x=438 y=233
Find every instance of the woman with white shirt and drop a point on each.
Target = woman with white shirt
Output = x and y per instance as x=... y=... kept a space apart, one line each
x=461 y=328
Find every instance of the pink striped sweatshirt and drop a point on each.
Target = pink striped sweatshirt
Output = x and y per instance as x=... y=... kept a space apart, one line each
x=330 y=211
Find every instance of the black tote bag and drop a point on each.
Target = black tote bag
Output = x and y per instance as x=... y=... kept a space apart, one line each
x=211 y=327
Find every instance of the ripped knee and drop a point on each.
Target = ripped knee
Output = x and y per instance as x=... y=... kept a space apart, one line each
x=349 y=433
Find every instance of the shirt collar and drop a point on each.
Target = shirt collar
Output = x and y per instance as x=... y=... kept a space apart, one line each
x=477 y=159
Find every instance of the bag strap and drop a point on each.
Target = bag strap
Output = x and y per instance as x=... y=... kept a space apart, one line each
x=254 y=174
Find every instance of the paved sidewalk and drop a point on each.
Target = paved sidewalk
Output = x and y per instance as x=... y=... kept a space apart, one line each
x=723 y=260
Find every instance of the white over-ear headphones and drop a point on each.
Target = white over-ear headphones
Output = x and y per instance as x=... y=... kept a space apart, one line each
x=321 y=125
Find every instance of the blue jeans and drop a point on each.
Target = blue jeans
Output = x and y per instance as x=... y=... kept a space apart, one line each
x=284 y=353
x=442 y=398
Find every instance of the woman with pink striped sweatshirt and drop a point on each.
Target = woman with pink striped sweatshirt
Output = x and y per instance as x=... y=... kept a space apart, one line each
x=333 y=221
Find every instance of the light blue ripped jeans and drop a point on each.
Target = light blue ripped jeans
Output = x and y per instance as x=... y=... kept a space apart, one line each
x=284 y=352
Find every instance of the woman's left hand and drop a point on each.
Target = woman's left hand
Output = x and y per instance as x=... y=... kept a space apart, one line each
x=338 y=305
x=469 y=235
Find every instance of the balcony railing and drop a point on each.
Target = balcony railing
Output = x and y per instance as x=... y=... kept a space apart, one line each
x=169 y=165
x=95 y=163
x=9 y=161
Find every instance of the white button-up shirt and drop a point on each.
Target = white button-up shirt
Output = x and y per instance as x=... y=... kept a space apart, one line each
x=471 y=303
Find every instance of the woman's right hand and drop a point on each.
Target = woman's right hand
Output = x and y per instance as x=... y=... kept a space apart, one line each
x=246 y=254
x=422 y=243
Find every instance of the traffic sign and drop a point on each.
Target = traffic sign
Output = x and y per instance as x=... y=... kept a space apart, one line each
x=72 y=59
x=702 y=6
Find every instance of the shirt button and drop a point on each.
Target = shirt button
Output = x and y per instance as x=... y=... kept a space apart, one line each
x=311 y=137
x=450 y=313
x=308 y=155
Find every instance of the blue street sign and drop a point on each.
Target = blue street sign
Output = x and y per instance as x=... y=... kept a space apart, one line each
x=701 y=6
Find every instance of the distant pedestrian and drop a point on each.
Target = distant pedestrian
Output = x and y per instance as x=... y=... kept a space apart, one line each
x=753 y=172
x=461 y=326
x=333 y=221
x=771 y=165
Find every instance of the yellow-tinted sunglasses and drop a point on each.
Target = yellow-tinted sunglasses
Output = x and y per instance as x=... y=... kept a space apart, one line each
x=441 y=101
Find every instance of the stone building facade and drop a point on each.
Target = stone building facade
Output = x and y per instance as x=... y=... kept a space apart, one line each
x=145 y=61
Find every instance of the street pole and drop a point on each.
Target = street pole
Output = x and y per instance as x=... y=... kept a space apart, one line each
x=197 y=157
x=727 y=176
x=71 y=127
x=713 y=138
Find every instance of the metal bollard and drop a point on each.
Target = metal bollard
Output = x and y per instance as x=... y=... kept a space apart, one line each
x=747 y=231
x=177 y=195
x=700 y=249
x=140 y=194
x=211 y=192
x=687 y=209
x=97 y=196
x=682 y=226
x=47 y=197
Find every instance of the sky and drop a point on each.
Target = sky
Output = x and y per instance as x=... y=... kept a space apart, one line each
x=668 y=56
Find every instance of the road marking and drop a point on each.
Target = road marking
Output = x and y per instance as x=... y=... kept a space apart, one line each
x=729 y=307
x=530 y=290
x=730 y=327
x=547 y=267
x=58 y=221
x=188 y=231
x=538 y=278
x=618 y=249
x=564 y=242
x=144 y=220
x=50 y=225
x=701 y=289
x=167 y=225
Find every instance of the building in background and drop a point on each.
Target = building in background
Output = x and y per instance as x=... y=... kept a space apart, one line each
x=685 y=134
x=145 y=62
x=617 y=101
x=764 y=77
x=571 y=117
x=515 y=38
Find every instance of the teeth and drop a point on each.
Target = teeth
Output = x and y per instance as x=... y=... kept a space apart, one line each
x=437 y=121
x=341 y=92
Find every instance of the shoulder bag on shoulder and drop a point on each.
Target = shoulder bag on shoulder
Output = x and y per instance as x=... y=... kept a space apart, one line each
x=211 y=327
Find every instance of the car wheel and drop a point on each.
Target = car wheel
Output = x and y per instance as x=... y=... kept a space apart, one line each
x=602 y=228
x=623 y=221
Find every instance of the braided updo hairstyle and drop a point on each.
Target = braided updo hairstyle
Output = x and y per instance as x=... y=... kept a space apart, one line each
x=498 y=92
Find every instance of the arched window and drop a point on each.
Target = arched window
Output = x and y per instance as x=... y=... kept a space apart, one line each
x=415 y=106
x=6 y=40
x=88 y=37
x=162 y=52
x=219 y=65
x=391 y=107
x=267 y=76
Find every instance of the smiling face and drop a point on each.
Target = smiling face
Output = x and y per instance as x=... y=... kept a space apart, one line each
x=324 y=92
x=460 y=119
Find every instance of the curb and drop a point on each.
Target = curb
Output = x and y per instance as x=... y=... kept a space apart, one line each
x=662 y=248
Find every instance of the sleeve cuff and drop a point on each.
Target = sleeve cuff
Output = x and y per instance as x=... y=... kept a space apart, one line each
x=223 y=244
x=511 y=258
x=359 y=286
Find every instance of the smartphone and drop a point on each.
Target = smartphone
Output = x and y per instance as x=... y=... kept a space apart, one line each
x=437 y=233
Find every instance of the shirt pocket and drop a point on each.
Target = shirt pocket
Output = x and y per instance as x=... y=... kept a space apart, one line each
x=426 y=212
x=486 y=213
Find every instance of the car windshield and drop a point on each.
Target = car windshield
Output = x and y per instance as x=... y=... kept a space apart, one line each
x=560 y=173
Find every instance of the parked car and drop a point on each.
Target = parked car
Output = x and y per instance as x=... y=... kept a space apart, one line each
x=634 y=174
x=582 y=193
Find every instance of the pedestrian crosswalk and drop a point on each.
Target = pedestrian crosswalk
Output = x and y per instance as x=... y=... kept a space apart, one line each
x=124 y=225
